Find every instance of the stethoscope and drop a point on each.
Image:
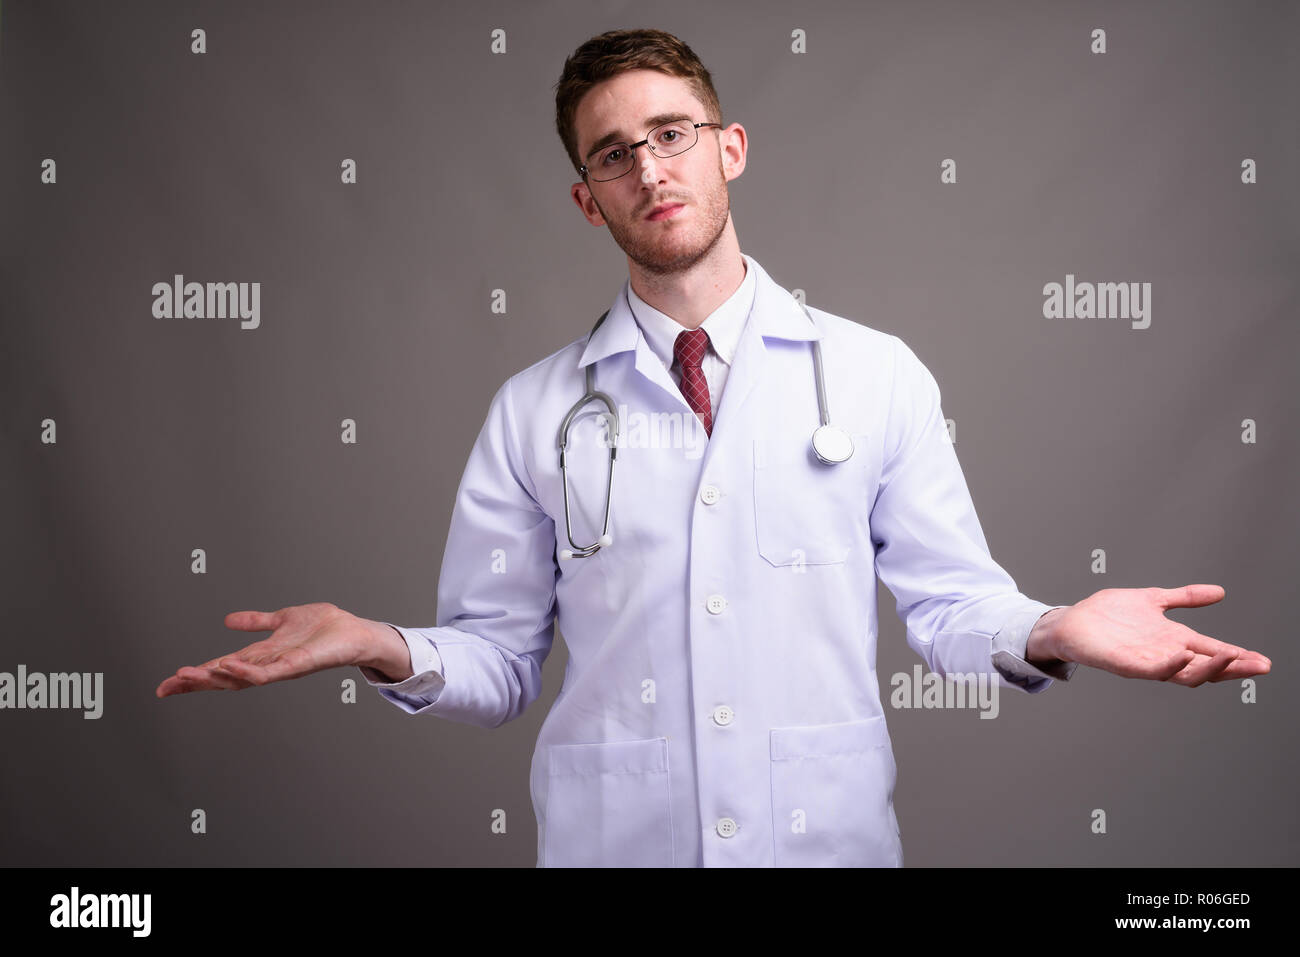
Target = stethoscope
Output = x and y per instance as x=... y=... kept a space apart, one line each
x=830 y=443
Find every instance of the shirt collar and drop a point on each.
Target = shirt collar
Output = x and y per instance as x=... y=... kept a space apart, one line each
x=775 y=314
x=724 y=325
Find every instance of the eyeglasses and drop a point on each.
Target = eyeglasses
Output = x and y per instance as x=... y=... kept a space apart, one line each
x=670 y=139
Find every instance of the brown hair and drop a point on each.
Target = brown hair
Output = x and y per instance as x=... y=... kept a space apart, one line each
x=609 y=54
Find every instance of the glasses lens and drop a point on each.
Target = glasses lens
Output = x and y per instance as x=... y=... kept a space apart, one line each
x=667 y=140
x=611 y=162
x=673 y=138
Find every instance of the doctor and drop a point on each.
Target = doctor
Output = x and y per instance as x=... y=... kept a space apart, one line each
x=721 y=705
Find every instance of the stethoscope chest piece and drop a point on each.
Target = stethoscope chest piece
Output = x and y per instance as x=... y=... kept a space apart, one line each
x=832 y=444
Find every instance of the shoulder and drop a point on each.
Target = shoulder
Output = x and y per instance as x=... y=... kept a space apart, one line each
x=864 y=342
x=876 y=353
x=851 y=333
x=558 y=368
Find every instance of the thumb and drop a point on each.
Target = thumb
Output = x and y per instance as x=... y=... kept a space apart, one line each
x=1190 y=596
x=252 y=620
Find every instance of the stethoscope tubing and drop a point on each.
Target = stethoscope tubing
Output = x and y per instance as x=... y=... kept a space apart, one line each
x=830 y=443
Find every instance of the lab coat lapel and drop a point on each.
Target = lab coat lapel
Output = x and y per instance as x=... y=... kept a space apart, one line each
x=621 y=333
x=775 y=314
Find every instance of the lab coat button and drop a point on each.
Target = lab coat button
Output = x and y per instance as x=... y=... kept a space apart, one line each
x=709 y=494
x=726 y=827
x=723 y=715
x=716 y=604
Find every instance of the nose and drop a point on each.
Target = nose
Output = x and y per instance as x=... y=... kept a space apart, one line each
x=647 y=168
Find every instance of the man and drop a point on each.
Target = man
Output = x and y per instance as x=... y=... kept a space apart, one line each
x=721 y=705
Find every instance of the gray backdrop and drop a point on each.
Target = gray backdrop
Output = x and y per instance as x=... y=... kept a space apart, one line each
x=1074 y=434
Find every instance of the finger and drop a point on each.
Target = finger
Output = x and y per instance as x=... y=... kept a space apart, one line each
x=169 y=686
x=1207 y=649
x=1181 y=676
x=252 y=673
x=1254 y=659
x=178 y=685
x=1219 y=665
x=276 y=668
x=205 y=679
x=1190 y=596
x=1205 y=645
x=1244 y=668
x=258 y=649
x=253 y=620
x=1204 y=668
x=1175 y=664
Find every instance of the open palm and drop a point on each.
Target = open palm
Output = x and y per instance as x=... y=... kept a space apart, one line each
x=1125 y=631
x=305 y=639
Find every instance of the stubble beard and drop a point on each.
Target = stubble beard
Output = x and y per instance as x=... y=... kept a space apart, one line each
x=665 y=250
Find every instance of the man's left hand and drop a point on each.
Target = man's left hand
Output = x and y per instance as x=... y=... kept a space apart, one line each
x=1125 y=631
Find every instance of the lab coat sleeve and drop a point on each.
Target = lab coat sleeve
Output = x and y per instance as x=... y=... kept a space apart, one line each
x=1009 y=654
x=481 y=664
x=423 y=686
x=963 y=612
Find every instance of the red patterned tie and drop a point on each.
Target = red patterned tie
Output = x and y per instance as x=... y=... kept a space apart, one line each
x=689 y=351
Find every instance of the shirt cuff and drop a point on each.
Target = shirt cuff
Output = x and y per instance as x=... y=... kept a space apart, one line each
x=1009 y=650
x=423 y=687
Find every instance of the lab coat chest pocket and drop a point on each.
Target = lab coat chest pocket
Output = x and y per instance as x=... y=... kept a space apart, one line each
x=807 y=512
x=608 y=805
x=832 y=796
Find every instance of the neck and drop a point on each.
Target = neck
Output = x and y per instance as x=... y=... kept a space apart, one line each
x=691 y=295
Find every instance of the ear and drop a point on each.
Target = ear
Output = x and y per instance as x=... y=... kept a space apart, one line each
x=587 y=203
x=733 y=144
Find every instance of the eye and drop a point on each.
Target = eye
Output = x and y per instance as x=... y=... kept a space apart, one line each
x=610 y=156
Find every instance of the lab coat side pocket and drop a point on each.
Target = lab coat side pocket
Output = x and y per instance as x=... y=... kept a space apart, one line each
x=609 y=805
x=832 y=796
x=807 y=512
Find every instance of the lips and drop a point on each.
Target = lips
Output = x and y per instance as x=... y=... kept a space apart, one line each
x=664 y=210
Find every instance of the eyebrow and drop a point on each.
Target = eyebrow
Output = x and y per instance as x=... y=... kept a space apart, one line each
x=615 y=136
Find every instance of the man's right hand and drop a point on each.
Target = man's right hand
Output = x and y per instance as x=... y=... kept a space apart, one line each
x=305 y=639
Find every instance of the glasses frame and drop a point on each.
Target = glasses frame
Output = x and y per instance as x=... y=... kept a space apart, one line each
x=631 y=148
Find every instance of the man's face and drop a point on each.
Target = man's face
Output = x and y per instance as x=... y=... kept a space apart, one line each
x=697 y=179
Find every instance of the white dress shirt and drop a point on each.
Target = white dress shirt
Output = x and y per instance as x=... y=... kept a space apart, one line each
x=723 y=325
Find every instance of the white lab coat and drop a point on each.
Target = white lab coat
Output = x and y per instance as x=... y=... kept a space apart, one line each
x=721 y=704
